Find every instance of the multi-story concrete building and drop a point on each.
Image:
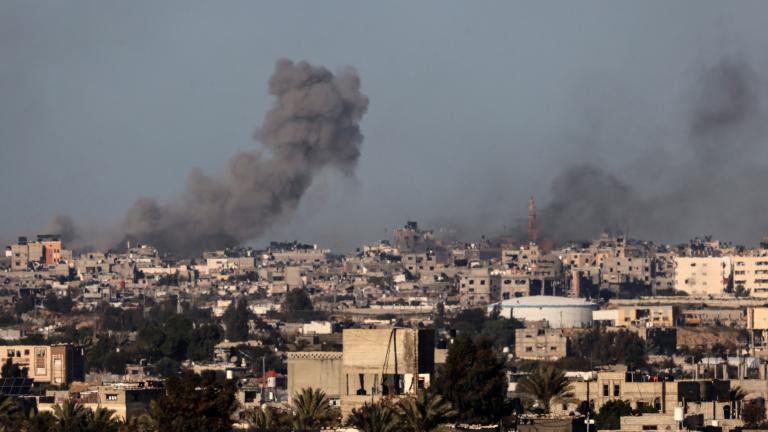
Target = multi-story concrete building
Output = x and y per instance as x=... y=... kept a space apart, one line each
x=538 y=342
x=703 y=276
x=477 y=288
x=751 y=273
x=55 y=364
x=639 y=316
x=374 y=363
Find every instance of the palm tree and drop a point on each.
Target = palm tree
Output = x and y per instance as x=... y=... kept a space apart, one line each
x=263 y=419
x=102 y=420
x=142 y=423
x=312 y=409
x=424 y=413
x=546 y=384
x=70 y=416
x=736 y=395
x=10 y=412
x=38 y=422
x=373 y=417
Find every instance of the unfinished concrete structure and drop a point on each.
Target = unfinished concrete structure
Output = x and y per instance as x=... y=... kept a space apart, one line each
x=374 y=364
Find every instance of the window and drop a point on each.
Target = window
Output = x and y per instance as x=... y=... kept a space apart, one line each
x=616 y=389
x=528 y=349
x=553 y=348
x=605 y=390
x=111 y=397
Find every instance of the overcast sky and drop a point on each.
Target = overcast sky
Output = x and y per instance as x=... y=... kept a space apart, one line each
x=474 y=106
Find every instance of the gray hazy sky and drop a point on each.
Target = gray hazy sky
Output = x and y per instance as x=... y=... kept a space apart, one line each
x=474 y=105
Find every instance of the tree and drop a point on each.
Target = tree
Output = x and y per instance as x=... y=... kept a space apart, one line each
x=149 y=340
x=424 y=413
x=501 y=331
x=312 y=409
x=167 y=367
x=142 y=423
x=70 y=416
x=202 y=340
x=25 y=303
x=469 y=321
x=264 y=419
x=609 y=416
x=546 y=384
x=601 y=347
x=38 y=422
x=10 y=412
x=438 y=315
x=373 y=417
x=237 y=322
x=195 y=402
x=753 y=413
x=101 y=420
x=61 y=305
x=12 y=370
x=297 y=305
x=473 y=380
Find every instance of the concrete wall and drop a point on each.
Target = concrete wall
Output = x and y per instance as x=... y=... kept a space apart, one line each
x=315 y=369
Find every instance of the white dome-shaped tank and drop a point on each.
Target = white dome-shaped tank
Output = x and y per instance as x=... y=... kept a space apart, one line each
x=559 y=312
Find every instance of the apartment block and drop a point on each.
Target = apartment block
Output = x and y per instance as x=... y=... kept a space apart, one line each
x=751 y=272
x=537 y=342
x=55 y=364
x=703 y=276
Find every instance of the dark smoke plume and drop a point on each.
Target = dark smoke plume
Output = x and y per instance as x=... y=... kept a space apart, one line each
x=312 y=125
x=719 y=186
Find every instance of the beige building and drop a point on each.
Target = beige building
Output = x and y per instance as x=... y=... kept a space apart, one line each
x=537 y=342
x=374 y=363
x=639 y=316
x=55 y=364
x=703 y=276
x=757 y=318
x=315 y=369
x=751 y=272
x=127 y=401
x=478 y=288
x=619 y=384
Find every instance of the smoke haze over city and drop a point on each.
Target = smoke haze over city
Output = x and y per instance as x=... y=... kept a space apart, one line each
x=658 y=129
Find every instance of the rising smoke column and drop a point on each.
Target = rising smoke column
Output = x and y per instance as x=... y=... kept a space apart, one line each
x=313 y=124
x=719 y=188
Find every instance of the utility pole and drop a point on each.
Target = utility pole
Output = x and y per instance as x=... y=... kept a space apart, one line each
x=263 y=377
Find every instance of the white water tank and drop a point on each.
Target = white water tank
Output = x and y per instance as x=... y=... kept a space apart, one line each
x=679 y=415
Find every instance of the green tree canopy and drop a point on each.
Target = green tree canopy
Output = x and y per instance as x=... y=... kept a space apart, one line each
x=473 y=380
x=195 y=403
x=237 y=321
x=546 y=384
